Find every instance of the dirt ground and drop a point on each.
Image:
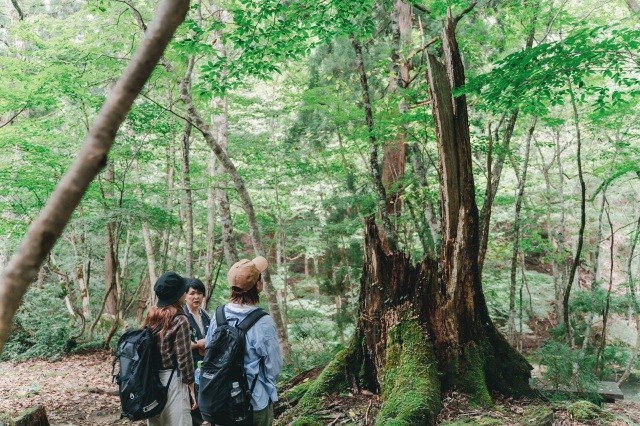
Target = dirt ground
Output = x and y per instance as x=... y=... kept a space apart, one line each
x=77 y=390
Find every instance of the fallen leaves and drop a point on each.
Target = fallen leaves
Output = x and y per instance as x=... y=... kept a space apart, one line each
x=75 y=390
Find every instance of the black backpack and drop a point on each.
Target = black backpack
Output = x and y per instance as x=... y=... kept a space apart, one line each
x=142 y=394
x=225 y=397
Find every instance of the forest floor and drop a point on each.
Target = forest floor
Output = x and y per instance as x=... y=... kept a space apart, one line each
x=77 y=390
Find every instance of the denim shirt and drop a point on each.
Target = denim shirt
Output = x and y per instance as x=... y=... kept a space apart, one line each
x=262 y=344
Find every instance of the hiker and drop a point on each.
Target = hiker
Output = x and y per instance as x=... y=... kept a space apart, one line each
x=199 y=321
x=174 y=344
x=262 y=359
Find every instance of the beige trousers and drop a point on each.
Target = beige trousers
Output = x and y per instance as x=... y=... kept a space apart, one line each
x=177 y=412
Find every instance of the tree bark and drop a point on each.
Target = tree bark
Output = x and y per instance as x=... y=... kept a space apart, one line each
x=110 y=256
x=45 y=230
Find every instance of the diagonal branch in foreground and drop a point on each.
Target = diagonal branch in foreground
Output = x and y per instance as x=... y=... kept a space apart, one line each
x=45 y=230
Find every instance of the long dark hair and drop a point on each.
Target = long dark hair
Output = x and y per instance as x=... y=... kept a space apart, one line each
x=162 y=317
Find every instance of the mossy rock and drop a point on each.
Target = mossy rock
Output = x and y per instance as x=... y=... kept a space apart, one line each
x=411 y=387
x=481 y=421
x=537 y=416
x=585 y=410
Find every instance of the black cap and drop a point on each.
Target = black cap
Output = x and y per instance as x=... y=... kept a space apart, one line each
x=169 y=288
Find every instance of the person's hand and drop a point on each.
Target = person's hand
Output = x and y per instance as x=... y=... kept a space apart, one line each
x=200 y=346
x=192 y=396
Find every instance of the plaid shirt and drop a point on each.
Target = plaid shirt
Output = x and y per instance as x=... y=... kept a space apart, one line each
x=175 y=349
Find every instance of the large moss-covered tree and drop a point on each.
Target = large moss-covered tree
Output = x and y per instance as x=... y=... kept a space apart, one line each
x=424 y=328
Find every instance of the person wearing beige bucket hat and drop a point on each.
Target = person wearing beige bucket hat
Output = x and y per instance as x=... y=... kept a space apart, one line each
x=262 y=358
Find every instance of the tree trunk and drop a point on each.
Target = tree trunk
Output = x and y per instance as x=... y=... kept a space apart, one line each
x=494 y=171
x=516 y=240
x=220 y=129
x=45 y=230
x=634 y=306
x=187 y=200
x=146 y=236
x=110 y=256
x=166 y=234
x=374 y=167
x=211 y=226
x=247 y=205
x=583 y=200
x=394 y=157
x=425 y=329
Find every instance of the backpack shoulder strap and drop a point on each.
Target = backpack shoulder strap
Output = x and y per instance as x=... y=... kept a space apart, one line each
x=251 y=319
x=221 y=318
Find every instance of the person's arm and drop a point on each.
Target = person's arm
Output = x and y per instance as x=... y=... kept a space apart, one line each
x=269 y=349
x=183 y=350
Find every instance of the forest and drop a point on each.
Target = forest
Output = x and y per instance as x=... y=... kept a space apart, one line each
x=445 y=191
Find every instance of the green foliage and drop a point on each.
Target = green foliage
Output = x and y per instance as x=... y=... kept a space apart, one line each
x=591 y=64
x=568 y=368
x=586 y=410
x=41 y=327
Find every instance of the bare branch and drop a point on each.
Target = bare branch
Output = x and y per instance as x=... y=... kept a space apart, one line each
x=12 y=118
x=464 y=12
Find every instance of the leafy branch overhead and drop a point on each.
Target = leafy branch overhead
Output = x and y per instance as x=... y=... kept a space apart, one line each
x=601 y=64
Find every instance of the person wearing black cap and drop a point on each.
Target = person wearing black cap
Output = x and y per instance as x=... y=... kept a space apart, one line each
x=174 y=344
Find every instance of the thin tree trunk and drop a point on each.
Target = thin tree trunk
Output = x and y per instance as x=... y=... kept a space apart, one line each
x=394 y=157
x=494 y=172
x=516 y=238
x=605 y=312
x=166 y=235
x=429 y=217
x=110 y=256
x=390 y=233
x=254 y=231
x=187 y=202
x=634 y=305
x=82 y=281
x=596 y=276
x=583 y=199
x=211 y=226
x=146 y=235
x=18 y=9
x=220 y=124
x=48 y=226
x=633 y=6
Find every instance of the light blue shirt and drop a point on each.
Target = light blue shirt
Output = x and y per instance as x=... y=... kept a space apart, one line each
x=262 y=344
